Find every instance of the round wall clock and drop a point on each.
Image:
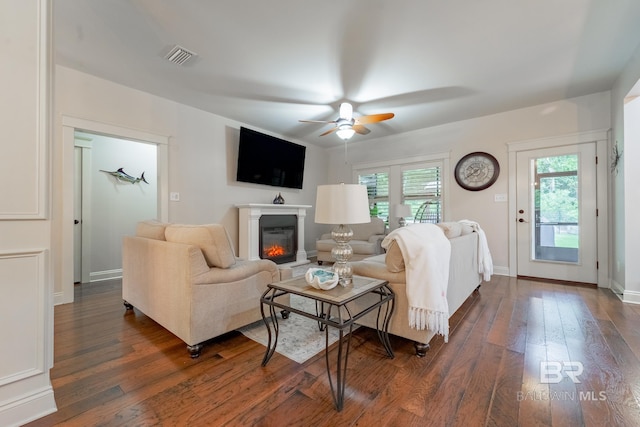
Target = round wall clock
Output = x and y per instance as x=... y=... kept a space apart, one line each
x=477 y=171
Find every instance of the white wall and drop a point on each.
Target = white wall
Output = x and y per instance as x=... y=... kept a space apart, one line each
x=202 y=155
x=26 y=304
x=625 y=204
x=117 y=206
x=632 y=200
x=490 y=134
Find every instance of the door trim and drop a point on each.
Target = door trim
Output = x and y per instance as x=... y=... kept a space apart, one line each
x=69 y=125
x=601 y=138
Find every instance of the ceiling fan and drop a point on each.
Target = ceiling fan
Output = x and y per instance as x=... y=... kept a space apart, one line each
x=346 y=125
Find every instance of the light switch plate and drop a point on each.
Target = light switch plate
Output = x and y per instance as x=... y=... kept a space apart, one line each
x=174 y=197
x=500 y=197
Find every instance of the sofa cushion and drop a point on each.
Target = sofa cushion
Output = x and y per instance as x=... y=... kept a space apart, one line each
x=466 y=229
x=151 y=229
x=211 y=238
x=451 y=229
x=368 y=229
x=394 y=259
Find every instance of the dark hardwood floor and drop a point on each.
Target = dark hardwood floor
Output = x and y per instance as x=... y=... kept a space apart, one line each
x=114 y=368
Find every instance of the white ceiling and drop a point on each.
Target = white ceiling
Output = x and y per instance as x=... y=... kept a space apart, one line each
x=269 y=63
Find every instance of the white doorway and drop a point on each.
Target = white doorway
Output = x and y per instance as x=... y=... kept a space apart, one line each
x=558 y=208
x=117 y=188
x=70 y=126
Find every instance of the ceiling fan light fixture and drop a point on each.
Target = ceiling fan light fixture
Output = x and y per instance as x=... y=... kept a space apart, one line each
x=346 y=111
x=345 y=132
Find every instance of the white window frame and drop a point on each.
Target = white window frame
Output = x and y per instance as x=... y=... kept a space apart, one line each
x=395 y=166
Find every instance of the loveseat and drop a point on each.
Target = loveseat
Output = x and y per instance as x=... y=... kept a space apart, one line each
x=464 y=278
x=366 y=241
x=188 y=279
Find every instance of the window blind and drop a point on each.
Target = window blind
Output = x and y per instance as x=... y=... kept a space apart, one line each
x=422 y=190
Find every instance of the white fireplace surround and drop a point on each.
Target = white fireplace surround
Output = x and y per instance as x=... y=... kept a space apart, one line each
x=249 y=228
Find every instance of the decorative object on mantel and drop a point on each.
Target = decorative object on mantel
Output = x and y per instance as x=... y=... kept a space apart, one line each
x=341 y=204
x=320 y=278
x=279 y=200
x=121 y=175
x=616 y=155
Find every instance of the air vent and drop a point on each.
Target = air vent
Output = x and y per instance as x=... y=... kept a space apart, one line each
x=179 y=55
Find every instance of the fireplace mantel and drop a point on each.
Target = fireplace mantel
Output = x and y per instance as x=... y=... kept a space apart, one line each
x=249 y=228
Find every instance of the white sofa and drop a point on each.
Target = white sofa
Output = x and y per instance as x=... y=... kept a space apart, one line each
x=464 y=278
x=187 y=279
x=366 y=241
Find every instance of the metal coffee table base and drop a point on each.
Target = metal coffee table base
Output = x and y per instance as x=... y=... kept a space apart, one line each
x=331 y=314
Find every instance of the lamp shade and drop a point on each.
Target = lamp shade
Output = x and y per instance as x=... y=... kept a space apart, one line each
x=402 y=211
x=345 y=132
x=342 y=204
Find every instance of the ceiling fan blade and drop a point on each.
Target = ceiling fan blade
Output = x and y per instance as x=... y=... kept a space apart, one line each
x=361 y=129
x=318 y=121
x=373 y=118
x=329 y=131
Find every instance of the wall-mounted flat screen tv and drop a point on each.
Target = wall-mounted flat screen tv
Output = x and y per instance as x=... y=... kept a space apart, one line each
x=264 y=159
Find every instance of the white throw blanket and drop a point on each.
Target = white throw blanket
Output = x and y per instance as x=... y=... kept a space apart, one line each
x=426 y=252
x=485 y=262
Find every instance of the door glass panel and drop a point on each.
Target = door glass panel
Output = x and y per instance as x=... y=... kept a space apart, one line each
x=556 y=201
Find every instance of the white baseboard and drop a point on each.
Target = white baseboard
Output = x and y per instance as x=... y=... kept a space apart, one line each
x=616 y=288
x=28 y=408
x=99 y=276
x=500 y=271
x=631 y=297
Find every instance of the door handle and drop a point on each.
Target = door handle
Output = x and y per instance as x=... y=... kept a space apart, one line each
x=75 y=221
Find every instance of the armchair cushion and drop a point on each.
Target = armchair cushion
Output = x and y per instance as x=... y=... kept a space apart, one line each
x=151 y=229
x=211 y=239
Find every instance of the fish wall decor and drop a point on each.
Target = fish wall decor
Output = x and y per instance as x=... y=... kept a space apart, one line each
x=121 y=175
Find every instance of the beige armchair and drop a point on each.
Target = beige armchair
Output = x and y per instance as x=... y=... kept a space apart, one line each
x=187 y=279
x=366 y=241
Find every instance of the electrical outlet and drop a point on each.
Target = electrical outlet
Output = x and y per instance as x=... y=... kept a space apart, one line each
x=174 y=197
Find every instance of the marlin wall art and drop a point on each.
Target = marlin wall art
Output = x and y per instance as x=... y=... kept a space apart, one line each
x=121 y=175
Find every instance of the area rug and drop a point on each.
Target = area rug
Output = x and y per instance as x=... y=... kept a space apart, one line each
x=299 y=338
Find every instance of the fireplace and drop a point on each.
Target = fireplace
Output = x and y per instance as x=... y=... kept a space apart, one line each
x=278 y=238
x=251 y=238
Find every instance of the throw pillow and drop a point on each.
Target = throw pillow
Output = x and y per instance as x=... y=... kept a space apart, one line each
x=393 y=259
x=451 y=229
x=151 y=229
x=211 y=238
x=466 y=229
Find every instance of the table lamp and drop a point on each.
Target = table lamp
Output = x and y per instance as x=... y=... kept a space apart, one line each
x=341 y=205
x=400 y=212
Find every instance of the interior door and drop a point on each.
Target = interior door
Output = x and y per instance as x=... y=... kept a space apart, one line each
x=556 y=213
x=77 y=216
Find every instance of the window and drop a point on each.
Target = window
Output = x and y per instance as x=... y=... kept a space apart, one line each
x=418 y=182
x=422 y=190
x=378 y=191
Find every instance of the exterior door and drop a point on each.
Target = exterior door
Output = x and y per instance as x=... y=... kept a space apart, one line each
x=557 y=213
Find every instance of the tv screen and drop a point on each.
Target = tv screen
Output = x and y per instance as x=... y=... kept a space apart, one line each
x=264 y=159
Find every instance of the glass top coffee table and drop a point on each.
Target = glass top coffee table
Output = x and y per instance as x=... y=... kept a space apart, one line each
x=332 y=310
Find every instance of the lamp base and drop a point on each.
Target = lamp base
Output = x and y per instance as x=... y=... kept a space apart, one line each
x=402 y=222
x=342 y=252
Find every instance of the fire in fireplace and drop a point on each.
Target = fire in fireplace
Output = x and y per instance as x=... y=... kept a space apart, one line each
x=278 y=238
